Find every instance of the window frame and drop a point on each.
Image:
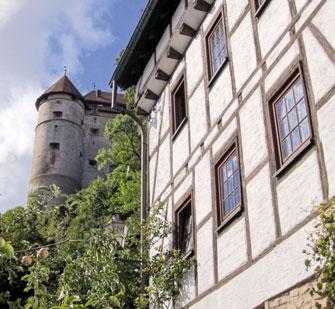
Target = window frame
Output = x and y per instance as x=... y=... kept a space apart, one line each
x=281 y=162
x=223 y=220
x=210 y=74
x=177 y=128
x=188 y=202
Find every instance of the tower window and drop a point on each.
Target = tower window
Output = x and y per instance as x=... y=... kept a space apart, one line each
x=92 y=162
x=58 y=114
x=94 y=131
x=54 y=146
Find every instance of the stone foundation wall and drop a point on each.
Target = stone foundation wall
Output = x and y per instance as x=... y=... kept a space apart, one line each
x=299 y=297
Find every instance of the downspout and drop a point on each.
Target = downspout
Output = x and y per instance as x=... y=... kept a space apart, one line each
x=144 y=168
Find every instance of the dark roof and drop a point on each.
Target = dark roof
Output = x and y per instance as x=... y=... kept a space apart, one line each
x=63 y=85
x=102 y=97
x=155 y=19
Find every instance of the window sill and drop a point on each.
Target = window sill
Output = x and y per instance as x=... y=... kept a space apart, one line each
x=261 y=8
x=229 y=218
x=295 y=158
x=217 y=73
x=175 y=134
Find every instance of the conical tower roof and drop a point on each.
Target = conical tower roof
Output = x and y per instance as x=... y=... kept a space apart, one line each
x=63 y=85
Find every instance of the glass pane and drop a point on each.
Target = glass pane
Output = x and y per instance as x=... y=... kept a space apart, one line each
x=237 y=197
x=304 y=130
x=293 y=119
x=281 y=108
x=301 y=109
x=235 y=163
x=236 y=180
x=298 y=90
x=224 y=169
x=231 y=201
x=289 y=99
x=286 y=145
x=226 y=206
x=229 y=168
x=284 y=127
x=225 y=186
x=230 y=184
x=296 y=141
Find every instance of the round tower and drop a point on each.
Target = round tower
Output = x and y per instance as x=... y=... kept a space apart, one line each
x=59 y=136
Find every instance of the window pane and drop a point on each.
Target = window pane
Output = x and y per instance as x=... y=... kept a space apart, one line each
x=284 y=127
x=235 y=163
x=229 y=168
x=281 y=108
x=289 y=99
x=231 y=202
x=298 y=90
x=225 y=186
x=230 y=185
x=295 y=136
x=226 y=207
x=293 y=119
x=237 y=197
x=236 y=180
x=304 y=130
x=301 y=109
x=286 y=145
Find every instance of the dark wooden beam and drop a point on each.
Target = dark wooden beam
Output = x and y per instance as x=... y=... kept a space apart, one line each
x=202 y=5
x=161 y=75
x=151 y=95
x=141 y=112
x=173 y=54
x=185 y=29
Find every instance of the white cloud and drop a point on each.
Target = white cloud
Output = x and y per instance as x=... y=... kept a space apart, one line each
x=37 y=38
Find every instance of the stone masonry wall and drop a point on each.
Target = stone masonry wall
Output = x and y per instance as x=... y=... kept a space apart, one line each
x=298 y=297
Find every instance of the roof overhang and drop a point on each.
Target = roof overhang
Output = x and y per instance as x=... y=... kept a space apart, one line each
x=155 y=18
x=152 y=76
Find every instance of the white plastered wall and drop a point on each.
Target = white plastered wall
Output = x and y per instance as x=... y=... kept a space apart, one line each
x=253 y=139
x=299 y=192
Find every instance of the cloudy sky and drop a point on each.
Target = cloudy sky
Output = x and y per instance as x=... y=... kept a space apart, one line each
x=39 y=37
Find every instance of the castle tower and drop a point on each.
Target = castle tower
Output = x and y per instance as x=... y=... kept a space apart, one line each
x=59 y=138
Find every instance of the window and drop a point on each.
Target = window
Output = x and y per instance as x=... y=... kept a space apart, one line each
x=54 y=146
x=94 y=131
x=228 y=186
x=216 y=47
x=291 y=120
x=184 y=228
x=58 y=114
x=178 y=106
x=92 y=162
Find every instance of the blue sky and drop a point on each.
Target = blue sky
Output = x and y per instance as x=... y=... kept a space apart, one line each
x=38 y=38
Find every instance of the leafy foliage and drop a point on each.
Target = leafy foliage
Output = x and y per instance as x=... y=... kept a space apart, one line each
x=81 y=264
x=322 y=251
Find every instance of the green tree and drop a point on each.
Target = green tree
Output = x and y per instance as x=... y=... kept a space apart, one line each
x=56 y=253
x=321 y=253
